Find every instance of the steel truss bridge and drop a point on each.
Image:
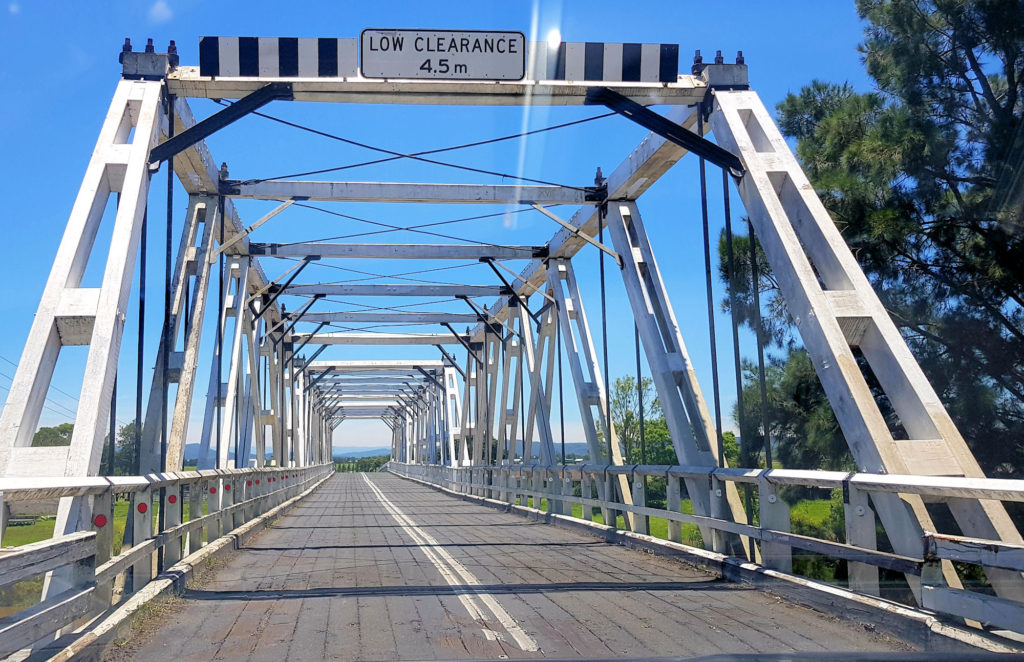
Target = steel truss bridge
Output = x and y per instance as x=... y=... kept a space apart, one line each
x=382 y=557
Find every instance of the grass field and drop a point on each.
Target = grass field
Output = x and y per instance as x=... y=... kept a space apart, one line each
x=658 y=527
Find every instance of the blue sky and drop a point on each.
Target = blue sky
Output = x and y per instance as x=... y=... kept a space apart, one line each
x=60 y=68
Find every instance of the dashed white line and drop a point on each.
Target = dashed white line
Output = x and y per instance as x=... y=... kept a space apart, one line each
x=456 y=574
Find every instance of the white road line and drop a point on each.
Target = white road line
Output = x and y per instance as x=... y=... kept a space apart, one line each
x=449 y=567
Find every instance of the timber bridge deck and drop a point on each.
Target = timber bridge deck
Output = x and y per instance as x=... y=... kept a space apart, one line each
x=374 y=567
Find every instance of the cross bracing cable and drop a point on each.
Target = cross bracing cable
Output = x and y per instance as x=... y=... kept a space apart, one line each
x=410 y=228
x=415 y=156
x=391 y=228
x=400 y=276
x=371 y=308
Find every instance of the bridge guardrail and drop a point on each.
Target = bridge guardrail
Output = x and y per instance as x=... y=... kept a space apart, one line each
x=84 y=576
x=557 y=485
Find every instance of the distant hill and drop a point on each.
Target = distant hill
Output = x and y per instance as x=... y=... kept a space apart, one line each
x=361 y=451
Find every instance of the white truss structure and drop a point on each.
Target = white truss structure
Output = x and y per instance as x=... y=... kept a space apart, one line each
x=264 y=400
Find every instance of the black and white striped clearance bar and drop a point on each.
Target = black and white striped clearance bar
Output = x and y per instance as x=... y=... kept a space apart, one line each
x=290 y=57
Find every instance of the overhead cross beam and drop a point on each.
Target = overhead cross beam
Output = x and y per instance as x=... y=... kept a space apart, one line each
x=389 y=318
x=409 y=192
x=394 y=290
x=399 y=251
x=219 y=120
x=374 y=338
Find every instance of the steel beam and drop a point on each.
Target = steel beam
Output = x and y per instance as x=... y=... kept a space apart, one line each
x=219 y=120
x=391 y=318
x=397 y=365
x=186 y=81
x=486 y=194
x=375 y=339
x=393 y=290
x=398 y=251
x=666 y=128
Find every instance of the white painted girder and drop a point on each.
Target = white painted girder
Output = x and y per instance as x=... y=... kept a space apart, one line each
x=186 y=81
x=390 y=318
x=375 y=339
x=392 y=290
x=426 y=193
x=398 y=365
x=396 y=251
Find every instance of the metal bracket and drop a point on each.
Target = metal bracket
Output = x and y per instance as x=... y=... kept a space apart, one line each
x=430 y=377
x=276 y=289
x=218 y=121
x=315 y=381
x=468 y=346
x=451 y=360
x=512 y=293
x=304 y=343
x=666 y=128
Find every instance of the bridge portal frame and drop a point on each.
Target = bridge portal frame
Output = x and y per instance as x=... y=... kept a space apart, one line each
x=835 y=308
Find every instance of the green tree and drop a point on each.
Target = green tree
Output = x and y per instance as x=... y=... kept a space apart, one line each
x=802 y=426
x=59 y=435
x=625 y=411
x=125 y=461
x=920 y=176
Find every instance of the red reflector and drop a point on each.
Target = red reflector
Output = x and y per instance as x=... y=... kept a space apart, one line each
x=172 y=499
x=142 y=507
x=248 y=483
x=257 y=482
x=227 y=488
x=100 y=521
x=213 y=490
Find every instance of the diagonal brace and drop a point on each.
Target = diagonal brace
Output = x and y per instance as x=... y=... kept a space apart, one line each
x=218 y=121
x=317 y=379
x=666 y=128
x=430 y=377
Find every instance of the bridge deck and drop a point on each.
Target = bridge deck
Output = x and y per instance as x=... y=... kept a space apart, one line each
x=377 y=567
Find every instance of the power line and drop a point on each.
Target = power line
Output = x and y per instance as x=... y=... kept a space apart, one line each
x=55 y=388
x=53 y=402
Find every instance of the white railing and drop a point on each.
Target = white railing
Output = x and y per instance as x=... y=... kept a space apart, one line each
x=557 y=488
x=85 y=578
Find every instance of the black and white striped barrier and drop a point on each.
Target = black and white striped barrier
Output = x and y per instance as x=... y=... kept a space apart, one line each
x=290 y=57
